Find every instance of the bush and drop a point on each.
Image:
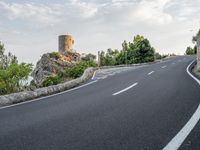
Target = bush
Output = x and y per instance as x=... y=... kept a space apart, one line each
x=12 y=77
x=55 y=55
x=52 y=80
x=79 y=69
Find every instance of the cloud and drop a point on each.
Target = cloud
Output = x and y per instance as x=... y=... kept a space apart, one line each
x=184 y=10
x=153 y=12
x=84 y=9
x=32 y=12
x=96 y=24
x=48 y=14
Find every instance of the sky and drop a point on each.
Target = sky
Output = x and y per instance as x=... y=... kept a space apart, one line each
x=31 y=28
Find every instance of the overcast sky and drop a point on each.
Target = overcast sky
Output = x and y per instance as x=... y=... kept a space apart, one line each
x=29 y=28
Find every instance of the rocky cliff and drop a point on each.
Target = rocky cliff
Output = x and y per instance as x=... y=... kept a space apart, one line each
x=49 y=66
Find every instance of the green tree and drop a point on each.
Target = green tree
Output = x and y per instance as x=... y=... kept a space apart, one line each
x=198 y=33
x=195 y=49
x=102 y=58
x=6 y=60
x=89 y=57
x=142 y=50
x=12 y=74
x=190 y=50
x=138 y=51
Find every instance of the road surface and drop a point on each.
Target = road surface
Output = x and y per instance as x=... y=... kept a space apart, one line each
x=142 y=108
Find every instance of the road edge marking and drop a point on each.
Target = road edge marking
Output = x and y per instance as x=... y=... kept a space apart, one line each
x=191 y=75
x=126 y=89
x=44 y=97
x=180 y=137
x=94 y=75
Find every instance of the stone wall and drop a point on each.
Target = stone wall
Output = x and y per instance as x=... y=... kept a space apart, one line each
x=28 y=95
x=198 y=52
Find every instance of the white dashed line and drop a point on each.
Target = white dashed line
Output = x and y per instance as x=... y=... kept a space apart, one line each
x=163 y=67
x=150 y=72
x=180 y=137
x=125 y=89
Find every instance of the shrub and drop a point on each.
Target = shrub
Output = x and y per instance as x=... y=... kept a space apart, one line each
x=55 y=55
x=78 y=69
x=52 y=80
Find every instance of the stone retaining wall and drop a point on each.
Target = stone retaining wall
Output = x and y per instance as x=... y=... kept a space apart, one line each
x=28 y=95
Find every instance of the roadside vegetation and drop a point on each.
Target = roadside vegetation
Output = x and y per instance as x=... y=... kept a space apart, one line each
x=70 y=73
x=12 y=73
x=190 y=50
x=137 y=51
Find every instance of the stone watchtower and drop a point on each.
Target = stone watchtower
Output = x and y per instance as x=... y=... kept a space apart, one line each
x=66 y=43
x=197 y=40
x=65 y=48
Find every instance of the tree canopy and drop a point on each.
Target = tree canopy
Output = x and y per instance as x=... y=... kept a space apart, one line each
x=190 y=50
x=12 y=74
x=137 y=51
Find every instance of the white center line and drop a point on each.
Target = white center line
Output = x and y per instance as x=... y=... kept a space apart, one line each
x=125 y=89
x=163 y=67
x=150 y=72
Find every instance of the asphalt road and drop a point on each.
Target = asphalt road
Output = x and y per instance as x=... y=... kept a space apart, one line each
x=138 y=109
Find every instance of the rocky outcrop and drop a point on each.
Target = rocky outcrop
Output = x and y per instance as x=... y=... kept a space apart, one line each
x=49 y=66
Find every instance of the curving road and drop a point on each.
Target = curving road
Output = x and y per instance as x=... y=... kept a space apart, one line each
x=141 y=108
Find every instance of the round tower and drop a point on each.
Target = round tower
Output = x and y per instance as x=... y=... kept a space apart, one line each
x=66 y=43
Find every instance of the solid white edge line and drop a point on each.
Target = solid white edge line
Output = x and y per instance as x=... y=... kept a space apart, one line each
x=180 y=137
x=125 y=89
x=191 y=75
x=94 y=75
x=37 y=99
x=150 y=72
x=177 y=141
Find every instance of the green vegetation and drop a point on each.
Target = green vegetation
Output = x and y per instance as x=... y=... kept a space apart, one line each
x=78 y=69
x=12 y=74
x=138 y=51
x=109 y=58
x=198 y=34
x=70 y=73
x=55 y=55
x=89 y=57
x=52 y=80
x=191 y=51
